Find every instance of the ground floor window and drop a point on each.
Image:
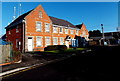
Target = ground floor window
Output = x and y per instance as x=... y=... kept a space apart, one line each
x=55 y=40
x=47 y=41
x=74 y=43
x=61 y=41
x=38 y=41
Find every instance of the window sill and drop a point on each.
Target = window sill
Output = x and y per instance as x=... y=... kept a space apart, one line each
x=38 y=31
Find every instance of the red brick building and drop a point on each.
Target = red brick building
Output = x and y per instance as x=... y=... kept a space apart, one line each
x=35 y=30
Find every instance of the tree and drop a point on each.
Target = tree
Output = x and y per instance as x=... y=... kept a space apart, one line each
x=95 y=33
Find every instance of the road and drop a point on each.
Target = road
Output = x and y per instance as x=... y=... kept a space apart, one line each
x=98 y=65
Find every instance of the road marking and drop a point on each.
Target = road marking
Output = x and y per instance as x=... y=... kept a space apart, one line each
x=7 y=72
x=13 y=72
x=23 y=69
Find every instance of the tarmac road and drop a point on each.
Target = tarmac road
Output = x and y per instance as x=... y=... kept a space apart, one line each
x=98 y=65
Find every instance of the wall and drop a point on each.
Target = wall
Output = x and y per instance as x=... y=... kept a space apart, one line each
x=13 y=36
x=5 y=53
x=30 y=27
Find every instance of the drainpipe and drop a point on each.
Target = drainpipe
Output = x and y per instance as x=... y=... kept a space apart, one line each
x=23 y=48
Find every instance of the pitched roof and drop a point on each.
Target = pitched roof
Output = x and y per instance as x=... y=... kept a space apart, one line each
x=3 y=37
x=54 y=20
x=61 y=22
x=79 y=26
x=18 y=20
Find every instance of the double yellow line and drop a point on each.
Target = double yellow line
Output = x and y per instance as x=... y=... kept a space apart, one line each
x=29 y=68
x=13 y=73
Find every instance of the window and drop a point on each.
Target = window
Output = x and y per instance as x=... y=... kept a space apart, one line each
x=40 y=14
x=77 y=32
x=66 y=31
x=38 y=26
x=61 y=41
x=87 y=37
x=17 y=43
x=83 y=33
x=9 y=32
x=55 y=40
x=61 y=30
x=55 y=29
x=47 y=41
x=17 y=29
x=38 y=41
x=47 y=27
x=71 y=31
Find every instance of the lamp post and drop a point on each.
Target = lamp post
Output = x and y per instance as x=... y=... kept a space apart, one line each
x=103 y=37
x=102 y=31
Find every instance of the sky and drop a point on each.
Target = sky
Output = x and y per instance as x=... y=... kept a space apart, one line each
x=92 y=14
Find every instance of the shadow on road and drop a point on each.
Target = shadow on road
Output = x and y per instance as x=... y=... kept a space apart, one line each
x=101 y=64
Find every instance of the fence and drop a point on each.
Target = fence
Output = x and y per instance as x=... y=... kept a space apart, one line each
x=5 y=53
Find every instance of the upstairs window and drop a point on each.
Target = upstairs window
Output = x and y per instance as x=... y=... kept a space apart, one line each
x=66 y=31
x=38 y=41
x=47 y=27
x=40 y=14
x=61 y=30
x=71 y=31
x=17 y=30
x=38 y=26
x=77 y=32
x=83 y=33
x=9 y=32
x=55 y=30
x=17 y=43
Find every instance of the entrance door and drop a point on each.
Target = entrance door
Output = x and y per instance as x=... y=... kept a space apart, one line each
x=30 y=44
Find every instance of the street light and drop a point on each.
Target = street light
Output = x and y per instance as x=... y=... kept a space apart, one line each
x=102 y=31
x=103 y=37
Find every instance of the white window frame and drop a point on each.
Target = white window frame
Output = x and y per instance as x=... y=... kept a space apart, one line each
x=47 y=29
x=39 y=29
x=9 y=32
x=77 y=32
x=61 y=40
x=71 y=31
x=83 y=33
x=47 y=42
x=40 y=40
x=55 y=40
x=17 y=45
x=66 y=30
x=55 y=29
x=17 y=30
x=62 y=30
x=87 y=37
x=40 y=14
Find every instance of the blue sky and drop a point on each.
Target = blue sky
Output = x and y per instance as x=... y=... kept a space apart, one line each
x=92 y=14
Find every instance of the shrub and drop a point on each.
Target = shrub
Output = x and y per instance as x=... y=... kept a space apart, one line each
x=17 y=56
x=55 y=47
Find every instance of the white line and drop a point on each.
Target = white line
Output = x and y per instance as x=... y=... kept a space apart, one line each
x=18 y=69
x=14 y=70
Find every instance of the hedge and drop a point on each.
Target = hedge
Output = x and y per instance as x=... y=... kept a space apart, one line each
x=55 y=47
